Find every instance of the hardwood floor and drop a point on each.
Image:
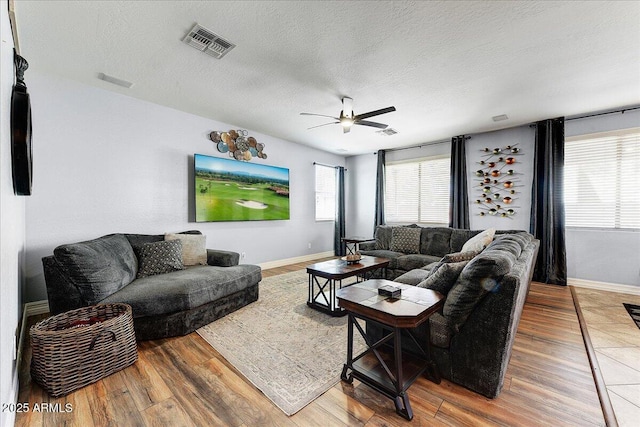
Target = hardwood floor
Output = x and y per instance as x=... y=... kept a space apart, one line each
x=183 y=382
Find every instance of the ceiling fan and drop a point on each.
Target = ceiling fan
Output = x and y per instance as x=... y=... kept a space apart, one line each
x=347 y=118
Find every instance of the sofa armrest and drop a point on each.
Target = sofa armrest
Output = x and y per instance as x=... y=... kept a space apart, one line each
x=222 y=258
x=61 y=293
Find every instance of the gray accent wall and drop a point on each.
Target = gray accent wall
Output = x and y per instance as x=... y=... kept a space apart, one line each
x=106 y=163
x=12 y=228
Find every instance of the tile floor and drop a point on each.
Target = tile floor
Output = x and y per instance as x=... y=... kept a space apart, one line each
x=616 y=340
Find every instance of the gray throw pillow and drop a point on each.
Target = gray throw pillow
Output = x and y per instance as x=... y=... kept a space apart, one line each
x=444 y=277
x=159 y=258
x=480 y=276
x=406 y=240
x=98 y=267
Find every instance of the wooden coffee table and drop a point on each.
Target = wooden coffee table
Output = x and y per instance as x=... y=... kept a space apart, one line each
x=322 y=294
x=389 y=372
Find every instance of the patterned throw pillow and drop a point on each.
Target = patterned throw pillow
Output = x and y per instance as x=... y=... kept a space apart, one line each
x=406 y=240
x=459 y=256
x=443 y=279
x=159 y=257
x=194 y=250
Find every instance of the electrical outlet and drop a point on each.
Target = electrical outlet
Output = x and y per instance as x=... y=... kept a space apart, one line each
x=309 y=245
x=15 y=347
x=243 y=255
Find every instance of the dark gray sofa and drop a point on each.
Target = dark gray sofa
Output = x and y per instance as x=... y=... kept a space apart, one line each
x=474 y=351
x=164 y=305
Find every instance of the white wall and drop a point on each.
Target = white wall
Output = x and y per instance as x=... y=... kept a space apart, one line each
x=524 y=137
x=107 y=163
x=360 y=195
x=603 y=255
x=12 y=228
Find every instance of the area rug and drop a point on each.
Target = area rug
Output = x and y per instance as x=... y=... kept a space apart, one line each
x=292 y=353
x=634 y=312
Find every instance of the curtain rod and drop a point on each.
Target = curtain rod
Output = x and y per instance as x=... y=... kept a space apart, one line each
x=622 y=110
x=329 y=166
x=426 y=144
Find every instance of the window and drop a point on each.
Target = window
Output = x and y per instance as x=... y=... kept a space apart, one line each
x=325 y=193
x=602 y=180
x=418 y=191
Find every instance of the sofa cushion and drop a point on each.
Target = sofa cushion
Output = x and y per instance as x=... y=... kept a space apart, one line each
x=194 y=251
x=435 y=241
x=98 y=267
x=383 y=237
x=480 y=241
x=507 y=244
x=459 y=237
x=406 y=240
x=444 y=277
x=381 y=253
x=159 y=258
x=184 y=289
x=480 y=275
x=411 y=261
x=412 y=277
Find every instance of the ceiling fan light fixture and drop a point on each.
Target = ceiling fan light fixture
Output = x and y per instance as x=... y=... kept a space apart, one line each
x=346 y=122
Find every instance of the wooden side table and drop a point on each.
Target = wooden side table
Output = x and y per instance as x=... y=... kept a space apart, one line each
x=352 y=243
x=322 y=294
x=390 y=373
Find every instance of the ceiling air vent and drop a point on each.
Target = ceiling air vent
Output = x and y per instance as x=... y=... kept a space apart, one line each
x=208 y=42
x=387 y=132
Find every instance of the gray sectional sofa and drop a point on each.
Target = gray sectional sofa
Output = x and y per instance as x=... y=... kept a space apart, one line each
x=472 y=337
x=175 y=303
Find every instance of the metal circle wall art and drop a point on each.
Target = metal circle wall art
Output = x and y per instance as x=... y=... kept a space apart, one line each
x=238 y=144
x=497 y=181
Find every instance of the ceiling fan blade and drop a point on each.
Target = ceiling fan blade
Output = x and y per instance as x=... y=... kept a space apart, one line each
x=372 y=124
x=332 y=123
x=374 y=113
x=320 y=115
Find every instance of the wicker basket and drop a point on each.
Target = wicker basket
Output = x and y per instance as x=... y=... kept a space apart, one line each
x=80 y=347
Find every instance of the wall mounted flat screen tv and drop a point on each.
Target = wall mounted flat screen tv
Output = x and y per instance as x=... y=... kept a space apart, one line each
x=232 y=190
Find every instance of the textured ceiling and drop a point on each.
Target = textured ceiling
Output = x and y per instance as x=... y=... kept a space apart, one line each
x=447 y=67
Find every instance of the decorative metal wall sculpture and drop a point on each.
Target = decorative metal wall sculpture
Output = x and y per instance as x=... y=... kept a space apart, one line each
x=498 y=182
x=238 y=144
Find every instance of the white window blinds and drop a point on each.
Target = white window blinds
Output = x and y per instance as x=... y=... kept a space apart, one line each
x=325 y=193
x=418 y=191
x=602 y=180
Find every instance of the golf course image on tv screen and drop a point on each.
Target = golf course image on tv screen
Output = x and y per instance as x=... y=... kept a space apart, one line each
x=232 y=190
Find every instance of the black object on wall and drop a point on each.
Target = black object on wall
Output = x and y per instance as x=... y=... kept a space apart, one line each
x=22 y=165
x=458 y=205
x=547 y=202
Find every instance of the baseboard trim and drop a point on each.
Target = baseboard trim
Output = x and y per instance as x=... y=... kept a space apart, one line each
x=33 y=308
x=282 y=262
x=604 y=286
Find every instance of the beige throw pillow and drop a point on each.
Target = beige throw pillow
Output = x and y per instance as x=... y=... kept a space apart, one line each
x=194 y=251
x=480 y=241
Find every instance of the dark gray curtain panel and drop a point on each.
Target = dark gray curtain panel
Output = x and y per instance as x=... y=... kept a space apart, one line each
x=458 y=206
x=379 y=212
x=338 y=245
x=547 y=202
